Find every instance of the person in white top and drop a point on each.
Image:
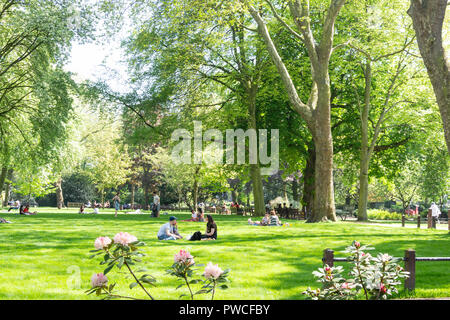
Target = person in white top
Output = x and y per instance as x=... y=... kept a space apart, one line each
x=156 y=204
x=435 y=212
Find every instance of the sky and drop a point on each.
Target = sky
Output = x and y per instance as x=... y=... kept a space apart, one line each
x=99 y=62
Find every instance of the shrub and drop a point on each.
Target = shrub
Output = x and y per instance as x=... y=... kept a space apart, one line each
x=376 y=214
x=123 y=250
x=376 y=278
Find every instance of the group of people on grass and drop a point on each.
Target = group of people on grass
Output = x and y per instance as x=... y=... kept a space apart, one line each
x=268 y=220
x=169 y=230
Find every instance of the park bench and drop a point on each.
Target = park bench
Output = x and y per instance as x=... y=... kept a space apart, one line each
x=211 y=209
x=74 y=204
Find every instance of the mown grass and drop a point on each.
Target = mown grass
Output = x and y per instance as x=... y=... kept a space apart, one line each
x=40 y=256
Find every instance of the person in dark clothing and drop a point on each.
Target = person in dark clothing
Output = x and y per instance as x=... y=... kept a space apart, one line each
x=211 y=229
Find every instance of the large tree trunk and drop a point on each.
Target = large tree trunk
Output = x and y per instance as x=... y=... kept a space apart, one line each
x=324 y=208
x=308 y=181
x=428 y=18
x=59 y=194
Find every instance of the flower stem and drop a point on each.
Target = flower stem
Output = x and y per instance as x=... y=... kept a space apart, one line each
x=189 y=287
x=138 y=282
x=214 y=289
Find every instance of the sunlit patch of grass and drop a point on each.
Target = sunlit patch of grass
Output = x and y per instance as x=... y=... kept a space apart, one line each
x=40 y=256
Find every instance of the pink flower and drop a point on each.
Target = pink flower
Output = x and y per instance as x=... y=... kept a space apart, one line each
x=102 y=242
x=184 y=257
x=99 y=280
x=345 y=286
x=357 y=244
x=382 y=288
x=124 y=238
x=212 y=271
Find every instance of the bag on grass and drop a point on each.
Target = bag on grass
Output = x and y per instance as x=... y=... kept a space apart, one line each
x=196 y=236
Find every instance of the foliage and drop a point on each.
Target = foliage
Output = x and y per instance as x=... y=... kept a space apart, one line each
x=375 y=277
x=376 y=214
x=123 y=250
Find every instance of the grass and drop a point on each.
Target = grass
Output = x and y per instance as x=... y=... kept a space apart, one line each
x=43 y=256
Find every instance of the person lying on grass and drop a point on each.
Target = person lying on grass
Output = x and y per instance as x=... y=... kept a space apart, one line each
x=169 y=231
x=4 y=221
x=264 y=221
x=26 y=211
x=137 y=211
x=211 y=229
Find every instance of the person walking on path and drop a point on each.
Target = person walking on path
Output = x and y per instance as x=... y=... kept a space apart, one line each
x=116 y=201
x=435 y=212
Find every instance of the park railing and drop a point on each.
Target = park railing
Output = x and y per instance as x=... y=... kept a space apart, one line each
x=409 y=259
x=431 y=223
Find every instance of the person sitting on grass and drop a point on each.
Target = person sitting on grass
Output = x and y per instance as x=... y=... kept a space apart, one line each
x=274 y=220
x=175 y=230
x=26 y=211
x=96 y=210
x=200 y=215
x=81 y=209
x=193 y=217
x=211 y=229
x=16 y=206
x=167 y=230
x=264 y=221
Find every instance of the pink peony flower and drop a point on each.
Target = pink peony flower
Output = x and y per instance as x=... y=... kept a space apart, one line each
x=212 y=271
x=102 y=242
x=99 y=280
x=124 y=238
x=184 y=257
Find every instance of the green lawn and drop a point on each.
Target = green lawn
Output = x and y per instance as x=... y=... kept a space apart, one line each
x=40 y=255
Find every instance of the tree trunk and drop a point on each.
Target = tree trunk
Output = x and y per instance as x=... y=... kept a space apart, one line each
x=255 y=170
x=102 y=196
x=3 y=178
x=295 y=189
x=258 y=194
x=324 y=208
x=8 y=187
x=132 y=195
x=59 y=194
x=364 y=157
x=308 y=181
x=428 y=18
x=195 y=188
x=146 y=196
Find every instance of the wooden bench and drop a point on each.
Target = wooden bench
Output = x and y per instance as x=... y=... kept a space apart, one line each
x=74 y=204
